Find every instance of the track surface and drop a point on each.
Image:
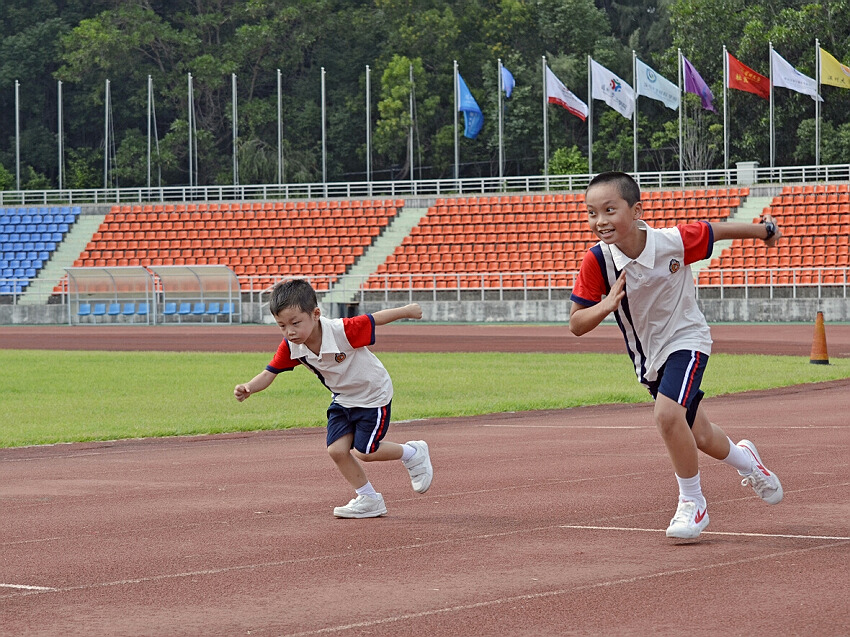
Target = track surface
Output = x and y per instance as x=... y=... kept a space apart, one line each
x=543 y=523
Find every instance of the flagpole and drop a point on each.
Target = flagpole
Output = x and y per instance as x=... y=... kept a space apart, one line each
x=279 y=128
x=368 y=125
x=235 y=116
x=150 y=85
x=61 y=131
x=589 y=117
x=17 y=135
x=324 y=143
x=106 y=137
x=545 y=123
x=410 y=130
x=725 y=111
x=191 y=117
x=499 y=93
x=772 y=153
x=635 y=114
x=681 y=111
x=457 y=152
x=817 y=103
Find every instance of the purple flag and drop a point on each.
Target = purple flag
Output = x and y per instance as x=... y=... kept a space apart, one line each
x=696 y=85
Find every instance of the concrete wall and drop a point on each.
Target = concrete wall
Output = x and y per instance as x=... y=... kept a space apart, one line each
x=715 y=310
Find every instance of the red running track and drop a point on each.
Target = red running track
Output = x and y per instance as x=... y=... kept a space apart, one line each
x=544 y=523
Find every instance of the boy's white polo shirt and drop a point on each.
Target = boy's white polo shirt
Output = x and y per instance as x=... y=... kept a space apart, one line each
x=659 y=313
x=344 y=364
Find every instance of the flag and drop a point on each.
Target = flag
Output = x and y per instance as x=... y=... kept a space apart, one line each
x=652 y=85
x=696 y=85
x=743 y=78
x=785 y=75
x=507 y=82
x=473 y=119
x=833 y=72
x=612 y=90
x=557 y=93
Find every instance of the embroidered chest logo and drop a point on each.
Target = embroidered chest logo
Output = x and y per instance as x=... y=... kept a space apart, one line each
x=674 y=266
x=339 y=357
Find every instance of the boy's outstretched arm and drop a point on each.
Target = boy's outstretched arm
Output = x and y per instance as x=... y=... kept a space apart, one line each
x=412 y=311
x=258 y=383
x=583 y=319
x=761 y=231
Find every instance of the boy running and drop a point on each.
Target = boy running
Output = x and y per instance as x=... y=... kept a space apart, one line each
x=359 y=414
x=643 y=275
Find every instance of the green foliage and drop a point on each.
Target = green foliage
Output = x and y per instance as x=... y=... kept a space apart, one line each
x=68 y=396
x=86 y=43
x=568 y=161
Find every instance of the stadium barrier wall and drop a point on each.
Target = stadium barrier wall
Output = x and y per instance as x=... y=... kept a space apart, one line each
x=726 y=310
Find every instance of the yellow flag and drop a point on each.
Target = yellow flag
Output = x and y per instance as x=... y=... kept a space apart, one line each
x=833 y=72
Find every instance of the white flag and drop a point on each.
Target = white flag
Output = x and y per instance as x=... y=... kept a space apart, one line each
x=612 y=90
x=786 y=75
x=654 y=86
x=557 y=93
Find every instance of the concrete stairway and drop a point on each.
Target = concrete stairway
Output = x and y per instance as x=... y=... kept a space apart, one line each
x=80 y=233
x=750 y=209
x=346 y=290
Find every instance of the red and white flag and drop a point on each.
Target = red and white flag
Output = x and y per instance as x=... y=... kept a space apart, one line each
x=557 y=93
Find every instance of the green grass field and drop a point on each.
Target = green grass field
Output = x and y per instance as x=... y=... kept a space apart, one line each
x=50 y=397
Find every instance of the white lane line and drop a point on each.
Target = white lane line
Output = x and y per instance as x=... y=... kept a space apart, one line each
x=574 y=426
x=839 y=538
x=553 y=593
x=25 y=587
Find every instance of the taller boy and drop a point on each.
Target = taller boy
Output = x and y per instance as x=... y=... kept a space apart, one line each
x=643 y=275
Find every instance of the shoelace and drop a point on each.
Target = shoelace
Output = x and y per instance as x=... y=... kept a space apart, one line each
x=685 y=512
x=758 y=481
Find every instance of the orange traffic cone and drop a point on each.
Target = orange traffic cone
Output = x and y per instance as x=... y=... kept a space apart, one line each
x=819 y=355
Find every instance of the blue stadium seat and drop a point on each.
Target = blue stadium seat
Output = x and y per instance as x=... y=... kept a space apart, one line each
x=184 y=310
x=227 y=308
x=84 y=310
x=143 y=309
x=214 y=309
x=114 y=309
x=199 y=309
x=99 y=309
x=170 y=309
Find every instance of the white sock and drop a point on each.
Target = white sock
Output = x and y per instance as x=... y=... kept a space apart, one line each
x=407 y=452
x=739 y=458
x=367 y=489
x=690 y=489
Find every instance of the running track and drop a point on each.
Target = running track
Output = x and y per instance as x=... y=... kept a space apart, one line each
x=544 y=523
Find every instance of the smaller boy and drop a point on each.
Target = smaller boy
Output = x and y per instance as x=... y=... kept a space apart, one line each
x=359 y=414
x=643 y=276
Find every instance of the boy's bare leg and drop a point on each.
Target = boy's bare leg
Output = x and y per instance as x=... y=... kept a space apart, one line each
x=351 y=470
x=386 y=451
x=673 y=427
x=710 y=438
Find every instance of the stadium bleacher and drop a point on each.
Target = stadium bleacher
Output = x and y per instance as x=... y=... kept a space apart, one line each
x=28 y=238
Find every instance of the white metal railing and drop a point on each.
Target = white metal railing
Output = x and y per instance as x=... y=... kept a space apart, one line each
x=789 y=283
x=423 y=188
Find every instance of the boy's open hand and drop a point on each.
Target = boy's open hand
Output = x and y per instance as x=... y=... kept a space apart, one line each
x=241 y=392
x=618 y=291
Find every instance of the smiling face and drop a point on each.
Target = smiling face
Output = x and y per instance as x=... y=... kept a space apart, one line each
x=610 y=216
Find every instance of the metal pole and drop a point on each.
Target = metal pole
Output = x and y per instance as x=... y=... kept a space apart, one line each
x=191 y=104
x=150 y=94
x=499 y=92
x=817 y=103
x=635 y=113
x=589 y=116
x=368 y=124
x=725 y=109
x=61 y=131
x=324 y=143
x=772 y=151
x=106 y=138
x=457 y=152
x=279 y=129
x=681 y=116
x=17 y=135
x=545 y=121
x=410 y=132
x=235 y=116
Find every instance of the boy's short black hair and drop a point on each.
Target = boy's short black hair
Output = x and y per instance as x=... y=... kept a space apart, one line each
x=295 y=293
x=629 y=190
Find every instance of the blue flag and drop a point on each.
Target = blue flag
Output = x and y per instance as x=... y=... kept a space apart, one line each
x=507 y=82
x=473 y=119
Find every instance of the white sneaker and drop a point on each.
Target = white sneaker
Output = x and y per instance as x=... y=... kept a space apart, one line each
x=763 y=482
x=363 y=506
x=419 y=466
x=689 y=521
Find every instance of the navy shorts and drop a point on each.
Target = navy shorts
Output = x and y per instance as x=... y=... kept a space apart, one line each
x=679 y=379
x=368 y=424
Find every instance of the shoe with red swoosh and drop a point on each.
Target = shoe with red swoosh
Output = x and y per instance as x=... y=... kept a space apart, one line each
x=765 y=483
x=689 y=521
